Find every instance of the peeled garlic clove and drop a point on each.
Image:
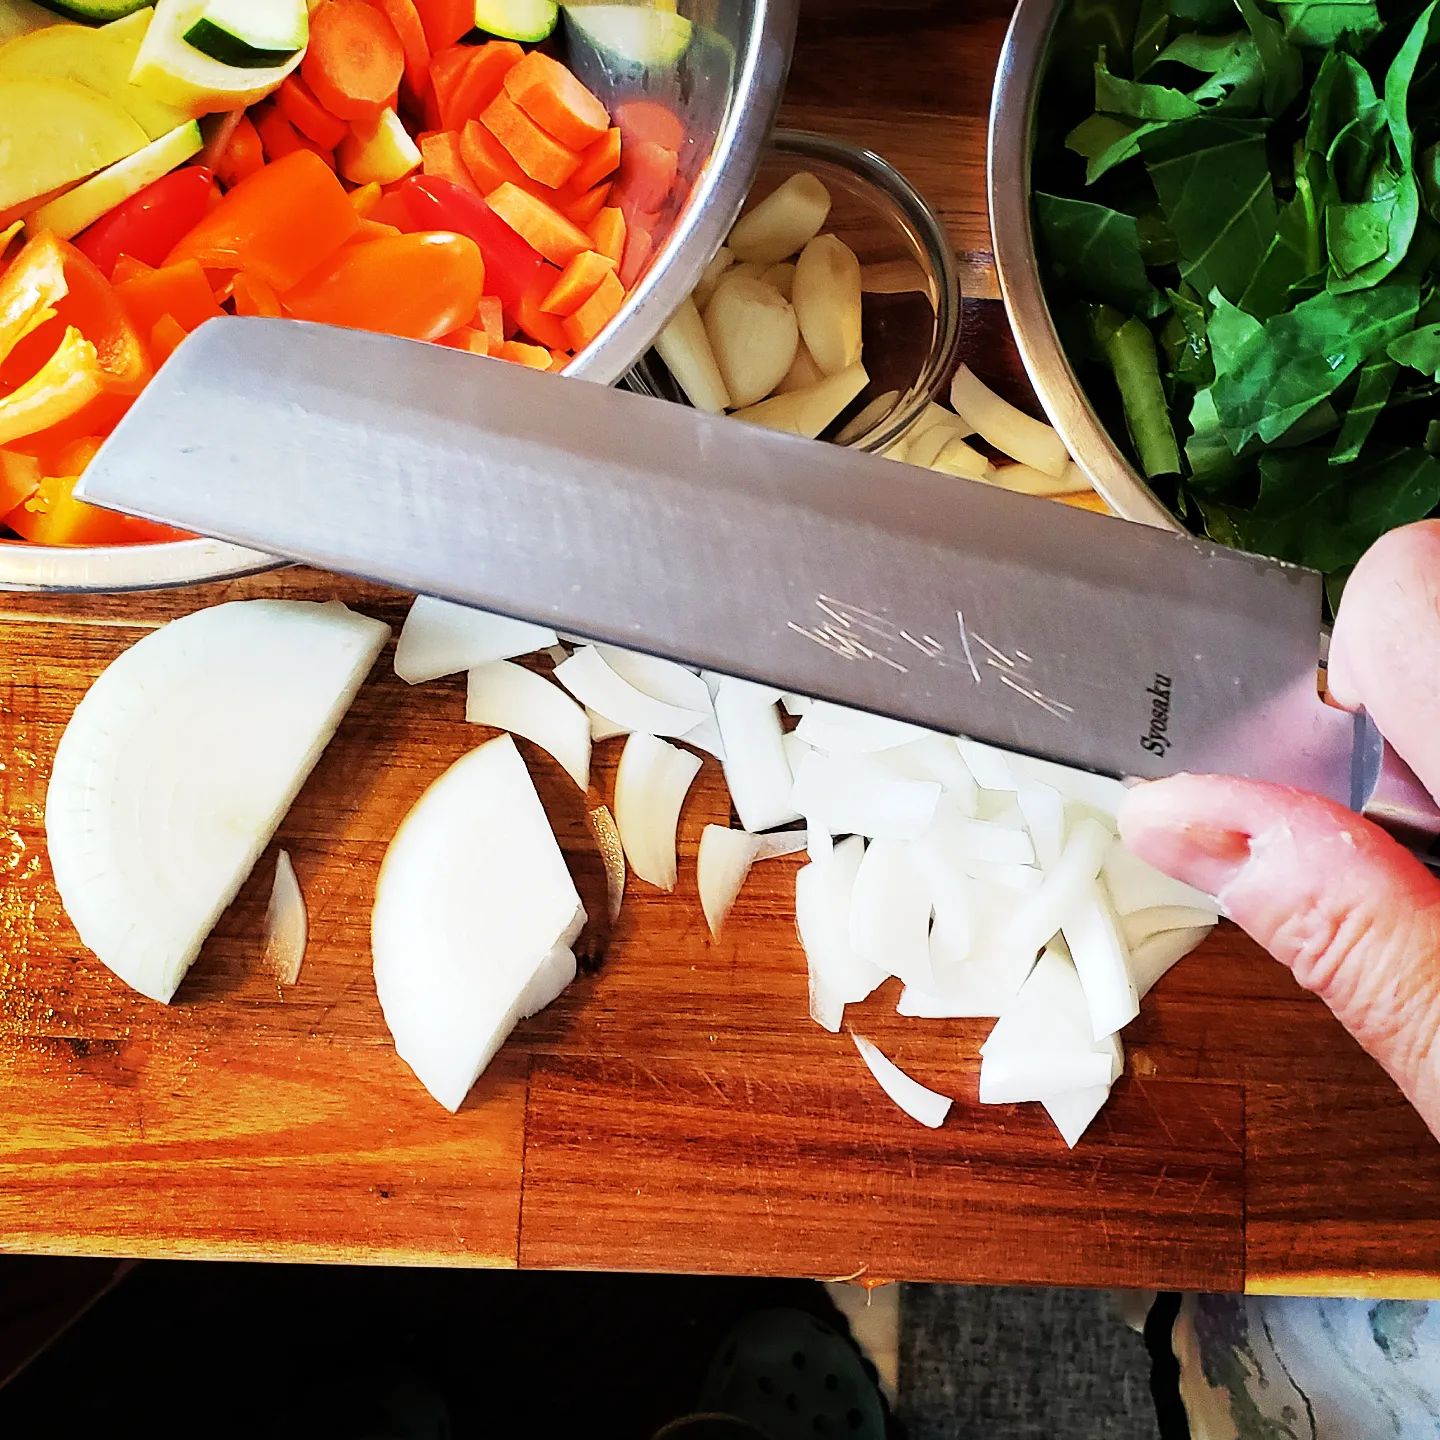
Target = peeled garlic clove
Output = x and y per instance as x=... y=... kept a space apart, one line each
x=809 y=411
x=723 y=259
x=685 y=348
x=783 y=221
x=782 y=277
x=826 y=296
x=754 y=336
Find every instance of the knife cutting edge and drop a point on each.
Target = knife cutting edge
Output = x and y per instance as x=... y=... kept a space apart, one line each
x=954 y=605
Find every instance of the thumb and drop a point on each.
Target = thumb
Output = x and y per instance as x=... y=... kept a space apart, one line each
x=1353 y=914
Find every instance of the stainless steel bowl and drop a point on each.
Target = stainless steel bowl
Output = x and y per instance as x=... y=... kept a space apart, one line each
x=1013 y=106
x=726 y=87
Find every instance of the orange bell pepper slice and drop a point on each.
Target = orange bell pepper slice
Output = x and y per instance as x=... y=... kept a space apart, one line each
x=67 y=348
x=278 y=224
x=178 y=290
x=20 y=477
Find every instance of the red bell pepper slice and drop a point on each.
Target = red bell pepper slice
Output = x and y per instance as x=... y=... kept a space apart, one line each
x=511 y=264
x=150 y=223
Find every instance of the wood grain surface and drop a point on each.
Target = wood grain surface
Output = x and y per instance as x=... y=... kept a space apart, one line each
x=677 y=1111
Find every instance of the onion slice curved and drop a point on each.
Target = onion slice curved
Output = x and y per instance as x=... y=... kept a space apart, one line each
x=724 y=861
x=757 y=767
x=440 y=638
x=507 y=696
x=589 y=677
x=287 y=926
x=177 y=766
x=650 y=787
x=921 y=1104
x=475 y=913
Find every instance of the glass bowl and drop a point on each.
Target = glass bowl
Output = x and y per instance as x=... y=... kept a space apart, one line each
x=910 y=286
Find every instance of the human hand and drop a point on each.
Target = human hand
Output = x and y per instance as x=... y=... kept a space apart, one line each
x=1352 y=913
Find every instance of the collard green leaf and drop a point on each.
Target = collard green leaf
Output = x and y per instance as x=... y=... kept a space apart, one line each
x=1151 y=29
x=1212 y=175
x=1323 y=22
x=1293 y=261
x=1327 y=516
x=1203 y=12
x=1427 y=171
x=1191 y=363
x=1136 y=100
x=1231 y=64
x=1420 y=350
x=1096 y=251
x=1372 y=394
x=1267 y=377
x=1279 y=59
x=1104 y=141
x=1129 y=349
x=1214 y=467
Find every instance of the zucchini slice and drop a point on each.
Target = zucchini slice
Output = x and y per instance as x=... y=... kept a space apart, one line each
x=250 y=34
x=633 y=34
x=96 y=12
x=528 y=20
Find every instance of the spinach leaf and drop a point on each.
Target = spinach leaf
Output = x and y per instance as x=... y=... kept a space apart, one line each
x=1372 y=394
x=1420 y=350
x=1329 y=515
x=1129 y=349
x=1324 y=22
x=1212 y=175
x=1279 y=60
x=1267 y=376
x=1096 y=251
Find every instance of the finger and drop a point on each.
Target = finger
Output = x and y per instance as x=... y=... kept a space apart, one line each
x=1385 y=653
x=1353 y=914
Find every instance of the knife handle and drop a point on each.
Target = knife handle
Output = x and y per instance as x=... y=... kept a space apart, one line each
x=1386 y=790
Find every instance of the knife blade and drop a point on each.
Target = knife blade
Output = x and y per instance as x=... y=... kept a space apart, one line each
x=954 y=605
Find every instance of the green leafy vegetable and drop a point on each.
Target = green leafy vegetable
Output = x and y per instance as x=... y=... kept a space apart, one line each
x=1247 y=277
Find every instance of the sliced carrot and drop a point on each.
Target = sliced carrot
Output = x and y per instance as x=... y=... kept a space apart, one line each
x=556 y=101
x=638 y=246
x=242 y=156
x=127 y=267
x=307 y=115
x=559 y=359
x=596 y=313
x=410 y=32
x=281 y=138
x=490 y=317
x=365 y=198
x=536 y=357
x=641 y=120
x=538 y=154
x=488 y=161
x=544 y=227
x=440 y=156
x=354 y=60
x=165 y=337
x=608 y=233
x=598 y=162
x=467 y=78
x=180 y=291
x=577 y=283
x=254 y=296
x=467 y=337
x=586 y=207
x=646 y=175
x=445 y=21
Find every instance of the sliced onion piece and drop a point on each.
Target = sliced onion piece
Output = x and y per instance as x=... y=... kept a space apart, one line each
x=795 y=705
x=851 y=795
x=1043 y=809
x=827 y=1009
x=724 y=861
x=853 y=732
x=475 y=913
x=1097 y=793
x=890 y=912
x=650 y=788
x=179 y=763
x=1011 y=431
x=1139 y=925
x=1138 y=886
x=287 y=926
x=439 y=638
x=510 y=697
x=606 y=834
x=934 y=758
x=674 y=685
x=1154 y=956
x=919 y=1103
x=603 y=729
x=970 y=839
x=1026 y=480
x=989 y=766
x=757 y=769
x=1065 y=888
x=1073 y=1111
x=823 y=892
x=1102 y=960
x=962 y=461
x=594 y=683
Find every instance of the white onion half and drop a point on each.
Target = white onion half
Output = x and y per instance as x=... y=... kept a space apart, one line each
x=510 y=697
x=475 y=913
x=650 y=787
x=919 y=1103
x=439 y=638
x=179 y=764
x=287 y=926
x=594 y=683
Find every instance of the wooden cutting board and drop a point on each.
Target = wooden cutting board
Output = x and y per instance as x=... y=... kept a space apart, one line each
x=679 y=1111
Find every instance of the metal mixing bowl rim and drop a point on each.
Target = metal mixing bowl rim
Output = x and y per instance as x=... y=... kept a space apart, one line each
x=718 y=194
x=1018 y=81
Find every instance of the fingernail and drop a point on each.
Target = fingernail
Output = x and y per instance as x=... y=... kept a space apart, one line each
x=1208 y=857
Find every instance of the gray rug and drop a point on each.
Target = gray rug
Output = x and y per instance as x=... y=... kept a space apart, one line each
x=985 y=1364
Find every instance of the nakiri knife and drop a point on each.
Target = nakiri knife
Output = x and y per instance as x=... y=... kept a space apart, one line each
x=951 y=604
